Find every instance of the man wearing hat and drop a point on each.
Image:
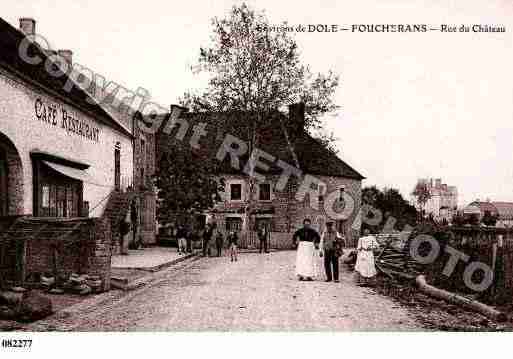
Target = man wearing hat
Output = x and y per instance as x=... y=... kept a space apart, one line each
x=331 y=249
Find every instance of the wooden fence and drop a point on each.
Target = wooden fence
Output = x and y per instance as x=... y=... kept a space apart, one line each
x=488 y=245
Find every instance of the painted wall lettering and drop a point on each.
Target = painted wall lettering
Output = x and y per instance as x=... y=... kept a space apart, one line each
x=49 y=113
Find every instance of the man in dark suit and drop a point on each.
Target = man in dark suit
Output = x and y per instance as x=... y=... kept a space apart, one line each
x=331 y=248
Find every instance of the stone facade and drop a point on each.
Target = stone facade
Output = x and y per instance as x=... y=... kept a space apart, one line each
x=144 y=169
x=284 y=212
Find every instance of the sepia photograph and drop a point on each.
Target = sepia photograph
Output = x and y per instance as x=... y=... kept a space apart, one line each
x=294 y=173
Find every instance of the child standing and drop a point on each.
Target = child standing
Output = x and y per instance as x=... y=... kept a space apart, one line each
x=181 y=235
x=232 y=243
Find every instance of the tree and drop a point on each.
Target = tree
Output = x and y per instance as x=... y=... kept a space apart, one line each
x=391 y=204
x=327 y=140
x=422 y=195
x=256 y=72
x=179 y=170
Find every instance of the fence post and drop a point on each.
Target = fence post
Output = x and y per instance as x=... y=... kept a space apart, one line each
x=3 y=244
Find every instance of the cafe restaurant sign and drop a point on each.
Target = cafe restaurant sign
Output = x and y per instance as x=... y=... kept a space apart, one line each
x=60 y=117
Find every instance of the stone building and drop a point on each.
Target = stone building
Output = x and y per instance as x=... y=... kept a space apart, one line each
x=62 y=157
x=141 y=188
x=318 y=180
x=443 y=201
x=502 y=211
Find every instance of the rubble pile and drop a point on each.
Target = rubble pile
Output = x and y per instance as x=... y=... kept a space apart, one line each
x=82 y=284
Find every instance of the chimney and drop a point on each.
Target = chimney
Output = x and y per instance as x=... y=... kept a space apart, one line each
x=297 y=117
x=28 y=26
x=66 y=55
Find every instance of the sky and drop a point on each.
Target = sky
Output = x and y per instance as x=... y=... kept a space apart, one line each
x=413 y=105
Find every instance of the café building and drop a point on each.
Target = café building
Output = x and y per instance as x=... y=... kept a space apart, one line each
x=61 y=154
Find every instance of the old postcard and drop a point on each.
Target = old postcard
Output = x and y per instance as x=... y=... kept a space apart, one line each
x=258 y=166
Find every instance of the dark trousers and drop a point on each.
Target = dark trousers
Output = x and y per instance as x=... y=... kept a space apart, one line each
x=263 y=245
x=219 y=248
x=206 y=247
x=330 y=260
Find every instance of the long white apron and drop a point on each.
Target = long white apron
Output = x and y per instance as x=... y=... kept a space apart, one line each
x=365 y=259
x=305 y=260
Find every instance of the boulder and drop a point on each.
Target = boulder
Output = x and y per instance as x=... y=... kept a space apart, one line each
x=86 y=290
x=10 y=299
x=18 y=289
x=56 y=291
x=7 y=313
x=95 y=285
x=34 y=307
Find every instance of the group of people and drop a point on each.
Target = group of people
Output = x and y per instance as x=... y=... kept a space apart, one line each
x=209 y=232
x=310 y=246
x=212 y=232
x=330 y=246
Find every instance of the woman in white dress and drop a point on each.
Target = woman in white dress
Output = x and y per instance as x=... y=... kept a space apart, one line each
x=365 y=266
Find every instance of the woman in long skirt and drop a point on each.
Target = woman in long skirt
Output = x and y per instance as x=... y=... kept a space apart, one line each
x=365 y=267
x=305 y=260
x=308 y=240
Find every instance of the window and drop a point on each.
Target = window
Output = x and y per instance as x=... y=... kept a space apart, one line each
x=341 y=193
x=61 y=200
x=45 y=196
x=236 y=191
x=264 y=192
x=322 y=191
x=233 y=224
x=143 y=153
x=53 y=205
x=117 y=167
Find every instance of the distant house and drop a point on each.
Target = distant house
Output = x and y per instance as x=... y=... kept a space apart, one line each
x=443 y=201
x=503 y=211
x=286 y=140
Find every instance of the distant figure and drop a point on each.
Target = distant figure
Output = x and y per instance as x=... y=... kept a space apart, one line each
x=263 y=237
x=331 y=249
x=207 y=236
x=219 y=242
x=232 y=243
x=134 y=220
x=308 y=242
x=189 y=237
x=365 y=260
x=181 y=236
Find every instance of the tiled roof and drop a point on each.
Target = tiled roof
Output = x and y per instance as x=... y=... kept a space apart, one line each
x=485 y=206
x=10 y=40
x=313 y=158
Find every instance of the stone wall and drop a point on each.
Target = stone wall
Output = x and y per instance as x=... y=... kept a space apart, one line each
x=81 y=246
x=144 y=169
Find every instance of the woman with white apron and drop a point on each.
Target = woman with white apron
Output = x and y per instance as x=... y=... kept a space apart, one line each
x=365 y=267
x=307 y=240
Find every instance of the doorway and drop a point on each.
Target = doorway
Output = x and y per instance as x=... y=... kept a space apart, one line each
x=4 y=184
